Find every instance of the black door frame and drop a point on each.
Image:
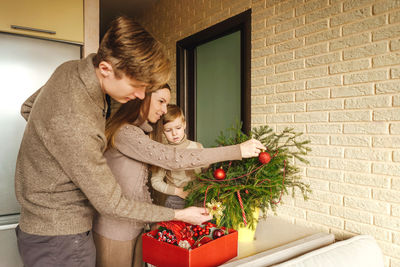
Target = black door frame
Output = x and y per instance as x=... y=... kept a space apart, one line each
x=186 y=72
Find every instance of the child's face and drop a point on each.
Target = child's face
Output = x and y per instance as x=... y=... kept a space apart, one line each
x=174 y=131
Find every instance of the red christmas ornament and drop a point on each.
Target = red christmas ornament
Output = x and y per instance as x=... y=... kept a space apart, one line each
x=219 y=174
x=264 y=157
x=218 y=233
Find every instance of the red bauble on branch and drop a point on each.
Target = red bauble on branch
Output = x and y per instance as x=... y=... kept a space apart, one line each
x=219 y=174
x=264 y=157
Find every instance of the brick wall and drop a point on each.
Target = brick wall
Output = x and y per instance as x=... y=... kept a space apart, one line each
x=331 y=69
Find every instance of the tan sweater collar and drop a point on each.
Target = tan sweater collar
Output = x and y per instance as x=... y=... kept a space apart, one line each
x=88 y=76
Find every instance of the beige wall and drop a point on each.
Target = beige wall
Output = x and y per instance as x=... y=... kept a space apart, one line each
x=331 y=69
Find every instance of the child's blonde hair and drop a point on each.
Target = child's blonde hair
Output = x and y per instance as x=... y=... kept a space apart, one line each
x=173 y=112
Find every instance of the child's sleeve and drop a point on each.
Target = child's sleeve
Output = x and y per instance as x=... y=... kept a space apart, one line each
x=158 y=183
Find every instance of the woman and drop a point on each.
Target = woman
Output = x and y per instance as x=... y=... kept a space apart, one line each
x=129 y=151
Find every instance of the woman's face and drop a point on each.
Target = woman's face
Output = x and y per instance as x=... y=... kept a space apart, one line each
x=158 y=104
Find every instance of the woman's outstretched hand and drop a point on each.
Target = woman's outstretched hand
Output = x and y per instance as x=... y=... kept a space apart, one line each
x=192 y=215
x=251 y=148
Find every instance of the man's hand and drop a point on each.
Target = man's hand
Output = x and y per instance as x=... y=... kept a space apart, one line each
x=251 y=148
x=192 y=215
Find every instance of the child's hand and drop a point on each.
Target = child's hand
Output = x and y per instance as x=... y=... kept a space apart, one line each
x=251 y=148
x=180 y=193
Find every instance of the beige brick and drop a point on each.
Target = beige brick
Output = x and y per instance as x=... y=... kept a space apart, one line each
x=396 y=101
x=290 y=86
x=257 y=81
x=323 y=36
x=316 y=94
x=368 y=102
x=348 y=66
x=365 y=76
x=315 y=139
x=367 y=154
x=393 y=263
x=388 y=87
x=366 y=128
x=350 y=140
x=257 y=44
x=396 y=156
x=388 y=222
x=279 y=38
x=389 y=250
x=395 y=210
x=385 y=60
x=325 y=220
x=289 y=66
x=366 y=229
x=280 y=78
x=299 y=128
x=258 y=26
x=317 y=184
x=311 y=50
x=394 y=128
x=262 y=14
x=309 y=7
x=334 y=104
x=394 y=17
x=263 y=109
x=324 y=82
x=289 y=24
x=386 y=141
x=386 y=33
x=264 y=33
x=324 y=128
x=258 y=100
x=352 y=214
x=351 y=4
x=283 y=6
x=311 y=73
x=346 y=116
x=350 y=165
x=387 y=168
x=395 y=73
x=312 y=205
x=265 y=51
x=290 y=107
x=371 y=180
x=258 y=119
x=366 y=204
x=346 y=17
x=390 y=196
x=323 y=13
x=326 y=151
x=218 y=17
x=279 y=118
x=350 y=41
x=317 y=162
x=291 y=211
x=323 y=59
x=312 y=28
x=273 y=20
x=262 y=71
x=392 y=114
x=279 y=58
x=364 y=25
x=236 y=7
x=257 y=62
x=325 y=174
x=396 y=238
x=326 y=197
x=266 y=90
x=371 y=49
x=384 y=6
x=280 y=98
x=311 y=117
x=353 y=90
x=395 y=45
x=289 y=45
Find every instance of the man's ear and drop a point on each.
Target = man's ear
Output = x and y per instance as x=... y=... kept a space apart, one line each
x=106 y=69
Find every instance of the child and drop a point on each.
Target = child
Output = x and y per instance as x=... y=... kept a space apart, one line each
x=174 y=125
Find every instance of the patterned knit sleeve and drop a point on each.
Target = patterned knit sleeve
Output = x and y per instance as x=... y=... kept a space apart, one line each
x=132 y=142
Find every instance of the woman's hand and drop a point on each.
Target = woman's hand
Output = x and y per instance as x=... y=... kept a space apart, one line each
x=180 y=193
x=251 y=148
x=192 y=215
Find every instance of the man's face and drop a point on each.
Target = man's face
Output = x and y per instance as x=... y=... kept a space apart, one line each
x=121 y=89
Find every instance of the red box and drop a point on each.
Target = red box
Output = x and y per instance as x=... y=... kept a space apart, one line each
x=213 y=253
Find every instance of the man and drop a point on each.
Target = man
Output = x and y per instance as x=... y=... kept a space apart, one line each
x=61 y=174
